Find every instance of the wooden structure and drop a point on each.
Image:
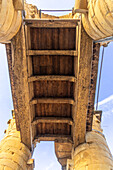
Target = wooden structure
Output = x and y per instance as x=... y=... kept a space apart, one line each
x=53 y=66
x=51 y=77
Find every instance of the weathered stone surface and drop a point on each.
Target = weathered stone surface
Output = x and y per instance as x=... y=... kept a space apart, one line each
x=85 y=52
x=18 y=4
x=81 y=4
x=10 y=20
x=14 y=155
x=98 y=22
x=94 y=154
x=92 y=89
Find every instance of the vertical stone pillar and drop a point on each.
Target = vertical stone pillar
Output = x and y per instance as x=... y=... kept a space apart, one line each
x=94 y=154
x=14 y=155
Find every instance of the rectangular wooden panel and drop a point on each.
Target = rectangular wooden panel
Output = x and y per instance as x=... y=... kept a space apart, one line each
x=53 y=89
x=53 y=110
x=57 y=128
x=53 y=38
x=53 y=65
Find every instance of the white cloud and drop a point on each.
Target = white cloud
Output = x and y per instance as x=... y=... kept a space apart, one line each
x=106 y=106
x=50 y=166
x=108 y=99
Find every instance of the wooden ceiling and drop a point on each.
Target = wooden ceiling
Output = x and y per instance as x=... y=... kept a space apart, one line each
x=51 y=56
x=50 y=72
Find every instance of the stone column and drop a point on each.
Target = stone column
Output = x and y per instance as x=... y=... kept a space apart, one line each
x=94 y=154
x=14 y=155
x=98 y=20
x=10 y=19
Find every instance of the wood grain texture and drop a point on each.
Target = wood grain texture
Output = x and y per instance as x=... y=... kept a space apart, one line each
x=53 y=38
x=52 y=120
x=56 y=110
x=52 y=78
x=53 y=65
x=52 y=52
x=51 y=100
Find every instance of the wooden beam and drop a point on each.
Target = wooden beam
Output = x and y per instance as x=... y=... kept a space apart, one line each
x=30 y=73
x=52 y=78
x=52 y=137
x=52 y=100
x=21 y=90
x=52 y=52
x=76 y=65
x=85 y=51
x=52 y=120
x=50 y=23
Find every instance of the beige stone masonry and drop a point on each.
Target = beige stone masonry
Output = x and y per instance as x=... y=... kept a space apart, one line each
x=98 y=22
x=94 y=154
x=10 y=19
x=14 y=155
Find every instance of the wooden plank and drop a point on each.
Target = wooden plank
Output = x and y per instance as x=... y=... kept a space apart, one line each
x=76 y=69
x=52 y=137
x=85 y=51
x=52 y=78
x=52 y=120
x=52 y=52
x=51 y=100
x=30 y=72
x=56 y=23
x=21 y=90
x=30 y=69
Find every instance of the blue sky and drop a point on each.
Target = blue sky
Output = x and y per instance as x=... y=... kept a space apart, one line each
x=44 y=155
